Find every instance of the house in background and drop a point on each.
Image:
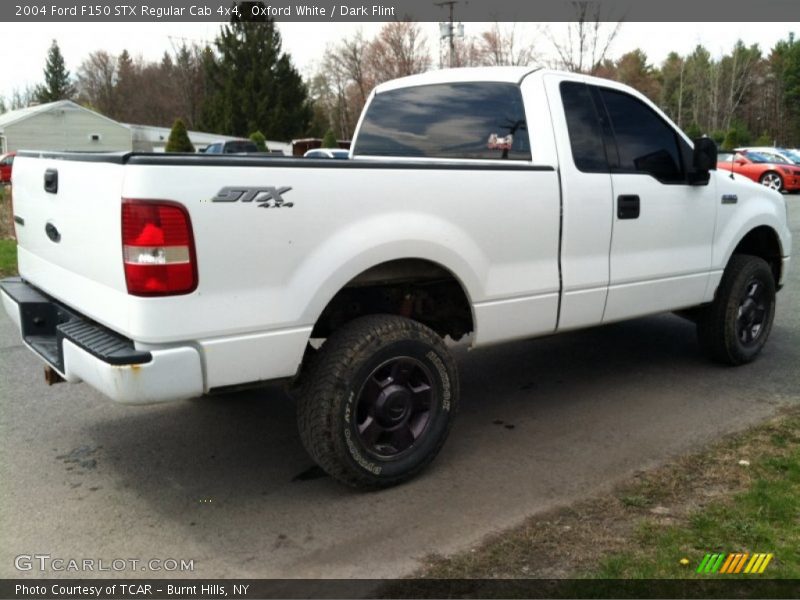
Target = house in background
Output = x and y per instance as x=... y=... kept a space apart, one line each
x=67 y=126
x=62 y=125
x=148 y=138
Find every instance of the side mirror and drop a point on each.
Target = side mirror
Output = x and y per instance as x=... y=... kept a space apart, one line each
x=705 y=155
x=704 y=160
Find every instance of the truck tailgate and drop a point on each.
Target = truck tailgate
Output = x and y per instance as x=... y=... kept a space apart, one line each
x=68 y=229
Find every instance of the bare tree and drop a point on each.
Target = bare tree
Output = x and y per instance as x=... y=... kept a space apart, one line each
x=348 y=60
x=400 y=49
x=21 y=98
x=97 y=80
x=588 y=39
x=189 y=82
x=743 y=63
x=504 y=47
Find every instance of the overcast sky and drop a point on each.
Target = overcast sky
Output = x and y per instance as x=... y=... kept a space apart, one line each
x=25 y=44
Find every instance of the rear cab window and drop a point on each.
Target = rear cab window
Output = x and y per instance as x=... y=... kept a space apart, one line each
x=480 y=120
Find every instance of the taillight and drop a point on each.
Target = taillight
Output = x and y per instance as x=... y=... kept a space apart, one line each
x=157 y=248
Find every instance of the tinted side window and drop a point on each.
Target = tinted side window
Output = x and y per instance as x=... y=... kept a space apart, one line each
x=583 y=126
x=645 y=142
x=459 y=120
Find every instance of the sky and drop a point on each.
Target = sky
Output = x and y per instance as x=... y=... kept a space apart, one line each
x=25 y=44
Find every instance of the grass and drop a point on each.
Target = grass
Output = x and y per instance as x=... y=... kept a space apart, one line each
x=762 y=517
x=8 y=245
x=8 y=258
x=740 y=495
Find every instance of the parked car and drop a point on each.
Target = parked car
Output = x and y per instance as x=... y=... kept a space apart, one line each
x=478 y=201
x=232 y=147
x=327 y=153
x=777 y=154
x=6 y=164
x=778 y=176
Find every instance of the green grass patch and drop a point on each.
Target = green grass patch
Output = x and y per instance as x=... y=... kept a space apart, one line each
x=8 y=257
x=762 y=518
x=740 y=495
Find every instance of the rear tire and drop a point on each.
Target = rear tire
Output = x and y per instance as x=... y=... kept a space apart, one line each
x=735 y=326
x=376 y=404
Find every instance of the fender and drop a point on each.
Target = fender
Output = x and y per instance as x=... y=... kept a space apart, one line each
x=756 y=207
x=364 y=245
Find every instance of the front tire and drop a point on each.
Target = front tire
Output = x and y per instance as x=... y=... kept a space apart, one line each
x=735 y=326
x=772 y=180
x=376 y=404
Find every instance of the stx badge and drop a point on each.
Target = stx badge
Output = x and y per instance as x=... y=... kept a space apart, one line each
x=265 y=197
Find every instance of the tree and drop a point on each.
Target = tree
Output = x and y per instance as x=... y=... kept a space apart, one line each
x=588 y=39
x=57 y=82
x=400 y=49
x=694 y=131
x=178 y=140
x=329 y=141
x=252 y=84
x=503 y=47
x=259 y=140
x=673 y=87
x=632 y=69
x=785 y=66
x=97 y=83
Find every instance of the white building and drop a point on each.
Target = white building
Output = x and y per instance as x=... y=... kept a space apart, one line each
x=65 y=125
x=148 y=138
x=62 y=125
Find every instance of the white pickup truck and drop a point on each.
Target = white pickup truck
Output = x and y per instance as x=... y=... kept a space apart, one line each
x=504 y=203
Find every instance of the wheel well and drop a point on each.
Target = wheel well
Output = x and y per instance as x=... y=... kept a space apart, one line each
x=413 y=288
x=763 y=242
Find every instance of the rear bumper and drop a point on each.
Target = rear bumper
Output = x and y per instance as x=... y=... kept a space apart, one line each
x=80 y=350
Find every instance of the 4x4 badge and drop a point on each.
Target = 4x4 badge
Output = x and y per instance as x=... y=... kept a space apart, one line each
x=265 y=197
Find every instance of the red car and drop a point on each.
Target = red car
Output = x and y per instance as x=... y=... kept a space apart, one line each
x=774 y=175
x=6 y=162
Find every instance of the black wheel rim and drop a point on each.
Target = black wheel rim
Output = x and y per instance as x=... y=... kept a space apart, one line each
x=752 y=314
x=395 y=407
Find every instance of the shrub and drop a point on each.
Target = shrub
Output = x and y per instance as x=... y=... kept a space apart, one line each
x=259 y=140
x=179 y=138
x=329 y=141
x=694 y=131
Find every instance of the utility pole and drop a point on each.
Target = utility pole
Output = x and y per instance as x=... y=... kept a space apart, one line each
x=448 y=30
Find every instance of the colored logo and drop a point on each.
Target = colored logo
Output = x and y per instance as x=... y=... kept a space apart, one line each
x=739 y=562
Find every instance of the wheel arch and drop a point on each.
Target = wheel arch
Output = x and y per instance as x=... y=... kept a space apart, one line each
x=762 y=241
x=419 y=288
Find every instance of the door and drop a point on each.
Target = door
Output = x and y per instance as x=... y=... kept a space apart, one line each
x=586 y=199
x=663 y=228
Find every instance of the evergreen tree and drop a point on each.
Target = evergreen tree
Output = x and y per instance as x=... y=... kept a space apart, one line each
x=259 y=140
x=179 y=138
x=329 y=141
x=252 y=84
x=57 y=82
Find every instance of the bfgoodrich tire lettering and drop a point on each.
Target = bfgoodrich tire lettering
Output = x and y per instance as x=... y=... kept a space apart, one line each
x=377 y=402
x=735 y=326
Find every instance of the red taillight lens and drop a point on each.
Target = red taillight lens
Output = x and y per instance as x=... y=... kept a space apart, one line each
x=157 y=248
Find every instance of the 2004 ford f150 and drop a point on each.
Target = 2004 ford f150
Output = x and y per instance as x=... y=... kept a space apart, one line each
x=502 y=202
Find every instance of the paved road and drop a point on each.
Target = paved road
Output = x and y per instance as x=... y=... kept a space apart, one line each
x=225 y=481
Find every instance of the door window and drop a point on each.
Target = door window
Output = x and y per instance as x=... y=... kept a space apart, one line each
x=646 y=143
